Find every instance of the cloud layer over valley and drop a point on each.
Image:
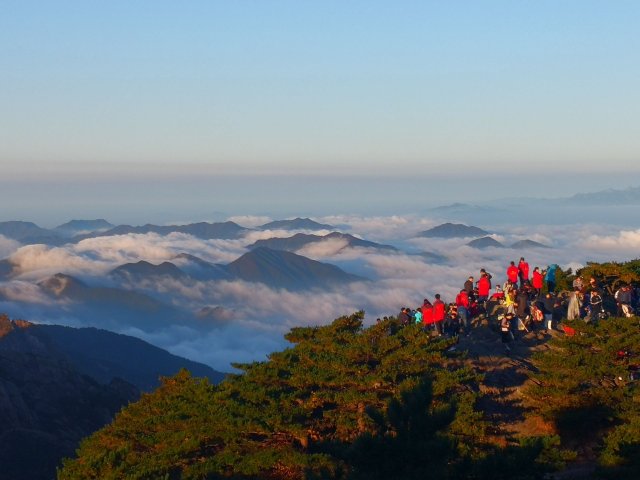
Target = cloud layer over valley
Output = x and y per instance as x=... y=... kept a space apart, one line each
x=224 y=320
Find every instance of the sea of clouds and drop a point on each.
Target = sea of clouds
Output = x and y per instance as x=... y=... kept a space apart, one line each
x=256 y=316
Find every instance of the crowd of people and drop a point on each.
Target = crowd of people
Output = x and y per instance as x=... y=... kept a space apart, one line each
x=527 y=300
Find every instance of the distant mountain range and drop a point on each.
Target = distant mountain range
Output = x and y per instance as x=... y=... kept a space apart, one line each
x=77 y=230
x=301 y=240
x=627 y=196
x=296 y=224
x=453 y=230
x=502 y=209
x=487 y=242
x=203 y=230
x=275 y=268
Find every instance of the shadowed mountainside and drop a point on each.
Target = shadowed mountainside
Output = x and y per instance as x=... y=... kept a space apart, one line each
x=301 y=240
x=281 y=269
x=453 y=230
x=296 y=224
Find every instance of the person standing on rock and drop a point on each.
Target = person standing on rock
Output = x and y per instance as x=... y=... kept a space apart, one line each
x=462 y=302
x=484 y=286
x=505 y=331
x=512 y=273
x=468 y=287
x=537 y=281
x=550 y=277
x=523 y=271
x=439 y=313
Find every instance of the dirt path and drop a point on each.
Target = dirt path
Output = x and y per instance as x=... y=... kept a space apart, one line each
x=505 y=375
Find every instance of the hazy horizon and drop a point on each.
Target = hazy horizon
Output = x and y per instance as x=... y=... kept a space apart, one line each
x=185 y=198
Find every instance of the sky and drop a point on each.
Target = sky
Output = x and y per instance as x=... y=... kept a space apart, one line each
x=171 y=109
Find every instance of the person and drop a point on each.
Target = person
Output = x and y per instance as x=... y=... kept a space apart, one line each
x=624 y=300
x=484 y=286
x=523 y=271
x=403 y=317
x=439 y=313
x=498 y=295
x=427 y=314
x=578 y=283
x=537 y=281
x=550 y=277
x=505 y=331
x=522 y=305
x=417 y=317
x=452 y=322
x=547 y=308
x=468 y=287
x=488 y=275
x=512 y=273
x=462 y=302
x=595 y=306
x=510 y=302
x=575 y=300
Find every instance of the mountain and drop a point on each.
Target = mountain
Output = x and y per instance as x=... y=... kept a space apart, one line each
x=80 y=227
x=46 y=404
x=281 y=269
x=524 y=244
x=111 y=307
x=29 y=233
x=6 y=268
x=134 y=272
x=485 y=242
x=610 y=197
x=452 y=230
x=203 y=230
x=300 y=240
x=200 y=269
x=296 y=224
x=103 y=355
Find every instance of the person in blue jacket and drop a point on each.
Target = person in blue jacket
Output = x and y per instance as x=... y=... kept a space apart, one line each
x=550 y=277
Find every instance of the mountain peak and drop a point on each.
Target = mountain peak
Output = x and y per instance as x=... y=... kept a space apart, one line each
x=282 y=269
x=485 y=242
x=453 y=230
x=296 y=224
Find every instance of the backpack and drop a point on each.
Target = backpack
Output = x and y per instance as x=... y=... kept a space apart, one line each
x=537 y=314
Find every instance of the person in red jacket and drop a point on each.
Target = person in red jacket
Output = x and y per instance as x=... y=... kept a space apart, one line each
x=512 y=273
x=439 y=313
x=536 y=281
x=462 y=302
x=523 y=271
x=484 y=285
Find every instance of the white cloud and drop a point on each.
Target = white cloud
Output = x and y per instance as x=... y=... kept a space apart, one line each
x=326 y=248
x=7 y=246
x=38 y=261
x=26 y=292
x=625 y=243
x=261 y=315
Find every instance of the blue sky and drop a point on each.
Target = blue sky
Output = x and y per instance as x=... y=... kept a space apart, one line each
x=94 y=91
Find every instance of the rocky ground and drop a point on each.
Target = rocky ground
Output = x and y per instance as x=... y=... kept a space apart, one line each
x=506 y=375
